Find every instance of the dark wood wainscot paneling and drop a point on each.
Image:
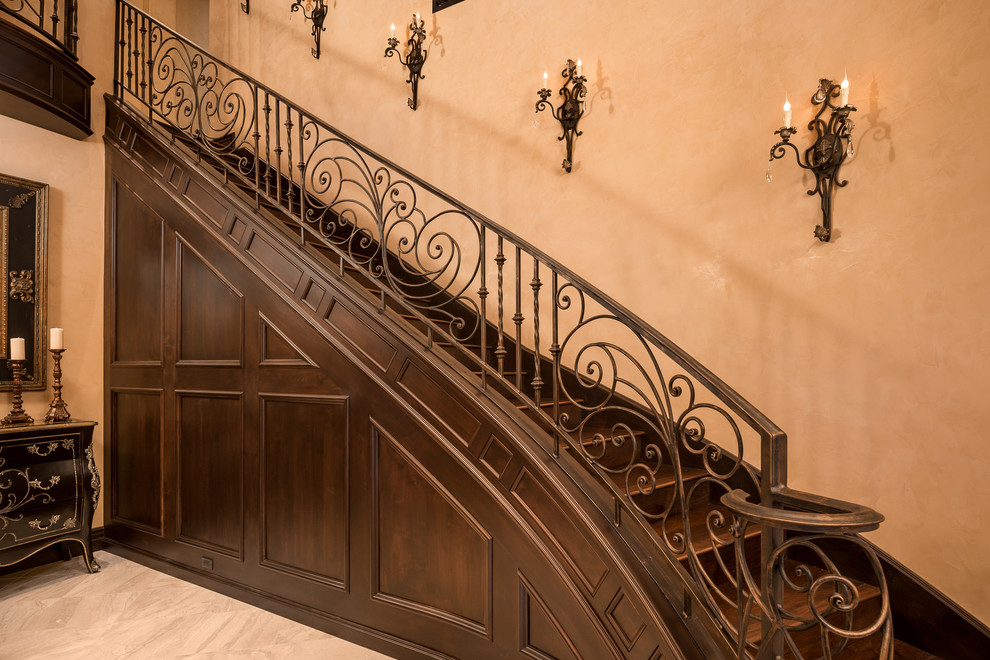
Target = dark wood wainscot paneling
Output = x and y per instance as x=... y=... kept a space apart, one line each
x=211 y=314
x=273 y=435
x=305 y=441
x=444 y=574
x=136 y=264
x=210 y=444
x=135 y=458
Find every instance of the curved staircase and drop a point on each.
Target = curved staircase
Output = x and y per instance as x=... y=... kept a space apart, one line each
x=637 y=456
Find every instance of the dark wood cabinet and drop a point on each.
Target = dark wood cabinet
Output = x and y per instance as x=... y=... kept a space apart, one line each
x=49 y=488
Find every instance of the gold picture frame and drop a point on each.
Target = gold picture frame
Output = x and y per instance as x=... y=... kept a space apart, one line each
x=24 y=271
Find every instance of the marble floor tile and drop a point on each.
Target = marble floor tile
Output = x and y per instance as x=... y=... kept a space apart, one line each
x=130 y=611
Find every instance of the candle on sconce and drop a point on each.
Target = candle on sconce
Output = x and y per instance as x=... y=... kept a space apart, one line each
x=56 y=339
x=844 y=93
x=17 y=348
x=417 y=18
x=787 y=113
x=545 y=78
x=393 y=30
x=579 y=68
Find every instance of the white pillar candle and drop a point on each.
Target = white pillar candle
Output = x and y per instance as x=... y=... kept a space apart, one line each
x=787 y=113
x=417 y=18
x=579 y=68
x=393 y=30
x=17 y=348
x=545 y=78
x=844 y=93
x=56 y=339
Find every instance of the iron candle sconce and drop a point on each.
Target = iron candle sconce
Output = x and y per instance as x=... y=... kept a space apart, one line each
x=570 y=111
x=831 y=148
x=318 y=14
x=415 y=57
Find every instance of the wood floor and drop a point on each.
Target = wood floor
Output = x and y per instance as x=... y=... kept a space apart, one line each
x=129 y=611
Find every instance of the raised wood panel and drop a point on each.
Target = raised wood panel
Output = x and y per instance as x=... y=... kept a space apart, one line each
x=137 y=279
x=277 y=351
x=271 y=260
x=436 y=399
x=135 y=446
x=210 y=445
x=361 y=336
x=305 y=447
x=562 y=532
x=540 y=634
x=213 y=209
x=431 y=555
x=211 y=314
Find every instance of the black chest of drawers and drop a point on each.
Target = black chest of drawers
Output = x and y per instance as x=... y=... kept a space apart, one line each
x=49 y=488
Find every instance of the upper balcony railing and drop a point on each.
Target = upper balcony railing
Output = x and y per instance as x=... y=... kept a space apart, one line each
x=665 y=435
x=56 y=21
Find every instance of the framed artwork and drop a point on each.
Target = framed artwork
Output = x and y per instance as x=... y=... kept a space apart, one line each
x=443 y=4
x=24 y=270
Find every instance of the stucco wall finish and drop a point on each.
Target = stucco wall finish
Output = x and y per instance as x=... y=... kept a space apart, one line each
x=872 y=351
x=74 y=170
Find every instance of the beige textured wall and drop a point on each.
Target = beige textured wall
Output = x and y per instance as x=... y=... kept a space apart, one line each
x=872 y=352
x=74 y=171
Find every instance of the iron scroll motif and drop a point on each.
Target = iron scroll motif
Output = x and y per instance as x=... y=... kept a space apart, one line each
x=415 y=56
x=570 y=111
x=823 y=158
x=663 y=434
x=317 y=15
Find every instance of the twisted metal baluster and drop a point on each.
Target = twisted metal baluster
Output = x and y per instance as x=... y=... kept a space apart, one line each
x=302 y=175
x=130 y=74
x=257 y=136
x=518 y=318
x=268 y=146
x=288 y=161
x=117 y=83
x=500 y=351
x=483 y=296
x=278 y=153
x=536 y=284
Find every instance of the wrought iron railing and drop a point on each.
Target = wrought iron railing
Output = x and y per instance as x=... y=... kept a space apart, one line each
x=56 y=21
x=664 y=434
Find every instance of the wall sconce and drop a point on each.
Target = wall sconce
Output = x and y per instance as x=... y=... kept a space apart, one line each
x=569 y=112
x=246 y=6
x=415 y=57
x=317 y=14
x=831 y=147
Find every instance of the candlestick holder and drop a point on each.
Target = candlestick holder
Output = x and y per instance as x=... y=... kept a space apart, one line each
x=57 y=410
x=415 y=57
x=17 y=414
x=317 y=15
x=831 y=148
x=570 y=111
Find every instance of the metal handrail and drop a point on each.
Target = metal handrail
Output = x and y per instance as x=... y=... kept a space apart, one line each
x=60 y=27
x=654 y=425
